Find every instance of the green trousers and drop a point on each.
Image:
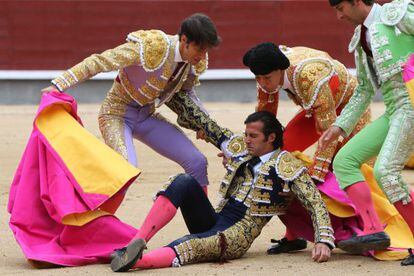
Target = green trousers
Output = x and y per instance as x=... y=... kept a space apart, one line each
x=391 y=139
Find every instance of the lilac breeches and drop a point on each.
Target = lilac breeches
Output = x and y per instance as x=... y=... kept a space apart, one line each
x=119 y=129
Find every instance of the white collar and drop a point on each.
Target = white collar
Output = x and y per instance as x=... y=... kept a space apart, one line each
x=371 y=16
x=177 y=56
x=286 y=82
x=265 y=157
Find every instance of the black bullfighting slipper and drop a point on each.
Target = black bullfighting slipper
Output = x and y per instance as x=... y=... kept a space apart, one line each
x=410 y=259
x=117 y=252
x=285 y=246
x=125 y=258
x=362 y=244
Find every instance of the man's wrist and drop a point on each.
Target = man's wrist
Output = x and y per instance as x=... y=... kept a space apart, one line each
x=327 y=244
x=341 y=131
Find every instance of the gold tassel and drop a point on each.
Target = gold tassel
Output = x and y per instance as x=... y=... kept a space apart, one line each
x=271 y=98
x=286 y=188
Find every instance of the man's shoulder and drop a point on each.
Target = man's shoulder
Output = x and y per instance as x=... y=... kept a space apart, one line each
x=392 y=13
x=310 y=74
x=313 y=68
x=301 y=53
x=154 y=45
x=288 y=167
x=149 y=36
x=235 y=147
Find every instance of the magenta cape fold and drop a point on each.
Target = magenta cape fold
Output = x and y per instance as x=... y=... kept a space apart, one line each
x=44 y=191
x=408 y=72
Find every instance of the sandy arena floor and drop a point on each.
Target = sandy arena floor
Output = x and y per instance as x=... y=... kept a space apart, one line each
x=15 y=125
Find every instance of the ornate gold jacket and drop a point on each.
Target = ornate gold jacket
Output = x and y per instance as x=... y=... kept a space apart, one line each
x=313 y=74
x=281 y=173
x=322 y=86
x=145 y=63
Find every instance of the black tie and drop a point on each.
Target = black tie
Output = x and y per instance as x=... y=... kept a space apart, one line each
x=289 y=91
x=253 y=162
x=177 y=69
x=364 y=42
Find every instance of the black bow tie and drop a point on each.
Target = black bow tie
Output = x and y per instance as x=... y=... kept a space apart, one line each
x=289 y=91
x=364 y=42
x=253 y=162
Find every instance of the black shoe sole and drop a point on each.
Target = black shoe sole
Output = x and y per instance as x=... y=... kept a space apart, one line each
x=113 y=255
x=132 y=254
x=270 y=252
x=408 y=261
x=287 y=247
x=359 y=248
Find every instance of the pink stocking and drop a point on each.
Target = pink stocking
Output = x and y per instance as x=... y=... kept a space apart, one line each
x=158 y=258
x=160 y=214
x=360 y=195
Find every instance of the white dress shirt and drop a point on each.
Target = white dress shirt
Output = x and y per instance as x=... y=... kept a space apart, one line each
x=369 y=21
x=263 y=159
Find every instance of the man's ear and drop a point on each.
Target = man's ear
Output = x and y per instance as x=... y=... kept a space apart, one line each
x=183 y=39
x=271 y=137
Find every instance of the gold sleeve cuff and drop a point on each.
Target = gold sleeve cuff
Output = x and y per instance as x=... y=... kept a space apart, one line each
x=65 y=81
x=308 y=194
x=322 y=162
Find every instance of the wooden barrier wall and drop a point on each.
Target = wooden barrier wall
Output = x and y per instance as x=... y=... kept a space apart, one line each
x=46 y=35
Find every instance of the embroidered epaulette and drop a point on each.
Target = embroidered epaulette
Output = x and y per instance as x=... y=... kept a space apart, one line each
x=393 y=12
x=235 y=146
x=154 y=48
x=308 y=78
x=201 y=67
x=355 y=39
x=299 y=53
x=289 y=167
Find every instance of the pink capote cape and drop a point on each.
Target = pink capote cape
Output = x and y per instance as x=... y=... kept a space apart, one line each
x=64 y=180
x=345 y=220
x=408 y=77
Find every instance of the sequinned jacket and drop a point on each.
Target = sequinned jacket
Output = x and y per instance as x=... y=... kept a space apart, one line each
x=392 y=41
x=281 y=173
x=322 y=86
x=145 y=63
